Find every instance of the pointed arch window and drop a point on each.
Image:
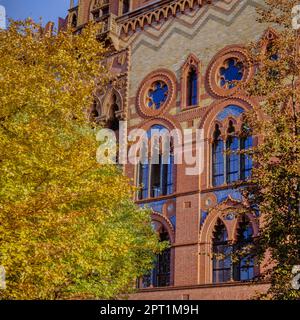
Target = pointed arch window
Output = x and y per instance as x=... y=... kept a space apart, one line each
x=231 y=158
x=160 y=276
x=94 y=114
x=244 y=267
x=218 y=158
x=125 y=6
x=190 y=82
x=143 y=181
x=163 y=263
x=192 y=87
x=74 y=21
x=156 y=178
x=162 y=177
x=221 y=254
x=113 y=122
x=246 y=162
x=233 y=261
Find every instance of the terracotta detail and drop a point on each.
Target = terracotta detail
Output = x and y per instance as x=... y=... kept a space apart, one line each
x=213 y=70
x=169 y=79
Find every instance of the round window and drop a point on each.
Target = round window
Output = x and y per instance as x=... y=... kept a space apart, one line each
x=231 y=72
x=226 y=70
x=157 y=95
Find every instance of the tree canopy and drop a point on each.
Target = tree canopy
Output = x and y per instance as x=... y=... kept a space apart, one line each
x=68 y=226
x=275 y=182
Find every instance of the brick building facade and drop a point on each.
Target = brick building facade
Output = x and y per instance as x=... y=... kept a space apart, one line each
x=173 y=63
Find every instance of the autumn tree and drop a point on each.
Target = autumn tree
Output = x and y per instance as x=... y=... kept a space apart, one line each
x=68 y=226
x=276 y=176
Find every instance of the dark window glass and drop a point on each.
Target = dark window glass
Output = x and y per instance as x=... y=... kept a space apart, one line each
x=160 y=276
x=113 y=122
x=244 y=268
x=143 y=181
x=170 y=175
x=105 y=11
x=272 y=53
x=94 y=112
x=237 y=163
x=218 y=163
x=74 y=21
x=126 y=6
x=96 y=15
x=163 y=264
x=192 y=90
x=232 y=159
x=162 y=177
x=156 y=190
x=221 y=254
x=218 y=159
x=246 y=159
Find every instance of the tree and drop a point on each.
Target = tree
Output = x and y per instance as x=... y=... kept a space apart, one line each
x=68 y=226
x=274 y=190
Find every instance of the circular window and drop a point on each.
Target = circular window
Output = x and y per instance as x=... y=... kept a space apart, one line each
x=226 y=70
x=230 y=73
x=156 y=93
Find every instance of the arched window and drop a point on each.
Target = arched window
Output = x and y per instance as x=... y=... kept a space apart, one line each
x=221 y=254
x=113 y=122
x=246 y=162
x=244 y=268
x=125 y=6
x=232 y=156
x=155 y=176
x=143 y=176
x=218 y=158
x=163 y=263
x=74 y=21
x=192 y=87
x=94 y=111
x=160 y=276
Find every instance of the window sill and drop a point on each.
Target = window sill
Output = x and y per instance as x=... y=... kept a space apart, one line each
x=188 y=108
x=155 y=199
x=226 y=186
x=208 y=285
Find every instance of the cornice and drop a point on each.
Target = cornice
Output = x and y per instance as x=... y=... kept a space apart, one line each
x=155 y=13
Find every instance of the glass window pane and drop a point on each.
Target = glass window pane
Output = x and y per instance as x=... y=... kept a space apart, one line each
x=222 y=263
x=143 y=180
x=232 y=159
x=218 y=163
x=246 y=159
x=192 y=88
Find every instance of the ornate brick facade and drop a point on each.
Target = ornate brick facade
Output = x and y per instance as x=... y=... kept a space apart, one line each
x=156 y=43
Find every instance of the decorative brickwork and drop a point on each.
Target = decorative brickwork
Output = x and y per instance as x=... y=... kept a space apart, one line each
x=154 y=47
x=214 y=77
x=164 y=77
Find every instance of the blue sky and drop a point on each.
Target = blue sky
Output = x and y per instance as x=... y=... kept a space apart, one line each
x=49 y=10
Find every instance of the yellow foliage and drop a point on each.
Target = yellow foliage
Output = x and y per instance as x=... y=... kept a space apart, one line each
x=68 y=226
